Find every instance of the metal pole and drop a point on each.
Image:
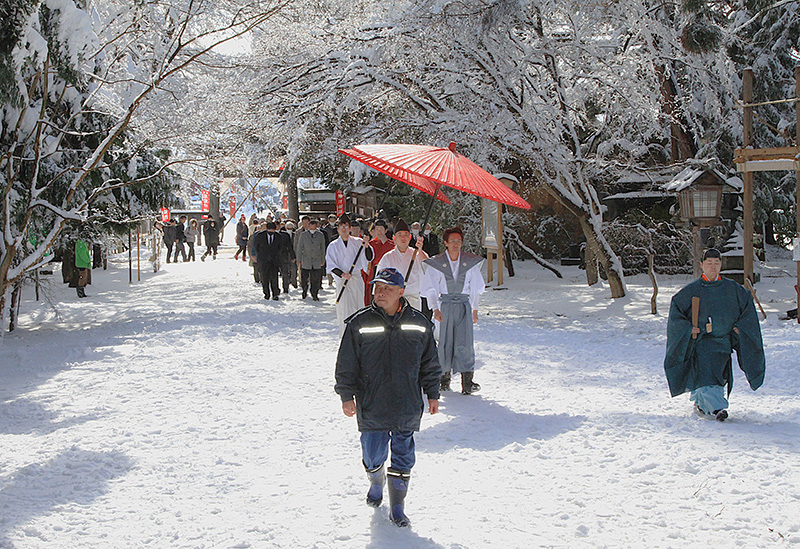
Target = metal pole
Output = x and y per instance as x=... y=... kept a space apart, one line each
x=747 y=201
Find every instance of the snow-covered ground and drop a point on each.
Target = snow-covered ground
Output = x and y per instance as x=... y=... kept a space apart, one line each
x=186 y=411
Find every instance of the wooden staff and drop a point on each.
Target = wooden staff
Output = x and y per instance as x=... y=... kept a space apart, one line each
x=695 y=314
x=749 y=286
x=358 y=254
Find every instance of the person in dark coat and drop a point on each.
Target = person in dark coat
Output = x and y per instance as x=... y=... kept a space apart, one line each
x=180 y=238
x=287 y=257
x=170 y=234
x=268 y=246
x=211 y=234
x=431 y=243
x=698 y=358
x=242 y=234
x=387 y=359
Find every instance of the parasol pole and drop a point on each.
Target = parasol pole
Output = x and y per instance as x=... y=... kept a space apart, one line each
x=422 y=228
x=358 y=253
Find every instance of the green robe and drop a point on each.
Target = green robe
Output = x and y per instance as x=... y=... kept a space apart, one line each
x=693 y=363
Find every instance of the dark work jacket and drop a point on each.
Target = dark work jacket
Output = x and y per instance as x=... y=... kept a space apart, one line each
x=692 y=363
x=268 y=254
x=287 y=250
x=170 y=234
x=387 y=364
x=211 y=232
x=431 y=245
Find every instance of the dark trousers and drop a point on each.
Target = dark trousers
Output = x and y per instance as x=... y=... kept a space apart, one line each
x=211 y=249
x=169 y=249
x=256 y=275
x=286 y=276
x=191 y=250
x=242 y=250
x=375 y=449
x=269 y=279
x=314 y=276
x=179 y=249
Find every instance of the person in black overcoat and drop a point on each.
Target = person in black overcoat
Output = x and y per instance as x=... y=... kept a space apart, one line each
x=268 y=246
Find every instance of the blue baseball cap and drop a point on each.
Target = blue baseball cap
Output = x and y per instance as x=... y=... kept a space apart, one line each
x=389 y=276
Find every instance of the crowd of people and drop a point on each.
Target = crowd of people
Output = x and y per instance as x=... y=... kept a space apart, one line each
x=406 y=313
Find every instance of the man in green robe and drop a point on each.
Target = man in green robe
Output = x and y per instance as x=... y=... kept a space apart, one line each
x=698 y=357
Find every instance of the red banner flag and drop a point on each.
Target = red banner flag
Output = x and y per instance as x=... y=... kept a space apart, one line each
x=339 y=202
x=233 y=206
x=285 y=202
x=205 y=201
x=164 y=215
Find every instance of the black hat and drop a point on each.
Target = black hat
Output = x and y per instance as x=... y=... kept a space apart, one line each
x=711 y=252
x=355 y=223
x=381 y=223
x=401 y=226
x=343 y=219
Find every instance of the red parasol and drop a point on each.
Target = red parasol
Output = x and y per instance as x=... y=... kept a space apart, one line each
x=419 y=183
x=423 y=164
x=444 y=166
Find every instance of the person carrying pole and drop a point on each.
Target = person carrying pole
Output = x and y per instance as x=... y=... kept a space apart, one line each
x=345 y=260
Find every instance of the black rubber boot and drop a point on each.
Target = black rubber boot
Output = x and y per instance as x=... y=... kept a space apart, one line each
x=377 y=478
x=467 y=385
x=81 y=292
x=398 y=488
x=445 y=385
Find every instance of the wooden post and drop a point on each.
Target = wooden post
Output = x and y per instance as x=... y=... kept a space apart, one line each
x=797 y=173
x=696 y=251
x=130 y=257
x=500 y=261
x=138 y=255
x=489 y=266
x=747 y=199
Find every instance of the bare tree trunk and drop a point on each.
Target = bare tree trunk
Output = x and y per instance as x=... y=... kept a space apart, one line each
x=600 y=254
x=590 y=263
x=14 y=311
x=292 y=198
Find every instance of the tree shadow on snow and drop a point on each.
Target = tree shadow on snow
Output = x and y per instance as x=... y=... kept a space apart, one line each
x=24 y=416
x=483 y=424
x=387 y=535
x=75 y=477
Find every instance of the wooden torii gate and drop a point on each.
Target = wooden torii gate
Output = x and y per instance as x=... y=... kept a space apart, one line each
x=749 y=160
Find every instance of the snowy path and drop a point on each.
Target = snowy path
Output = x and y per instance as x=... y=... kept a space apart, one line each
x=185 y=411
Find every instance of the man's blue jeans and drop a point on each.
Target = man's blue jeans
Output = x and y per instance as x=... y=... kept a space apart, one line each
x=375 y=449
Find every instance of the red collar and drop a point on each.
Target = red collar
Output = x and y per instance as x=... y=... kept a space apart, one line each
x=719 y=277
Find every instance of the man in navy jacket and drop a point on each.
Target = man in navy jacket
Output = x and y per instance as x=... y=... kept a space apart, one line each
x=387 y=360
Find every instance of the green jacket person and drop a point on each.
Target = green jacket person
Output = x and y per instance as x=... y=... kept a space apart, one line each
x=727 y=322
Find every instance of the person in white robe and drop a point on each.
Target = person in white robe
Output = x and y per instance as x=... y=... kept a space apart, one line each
x=400 y=258
x=345 y=263
x=452 y=285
